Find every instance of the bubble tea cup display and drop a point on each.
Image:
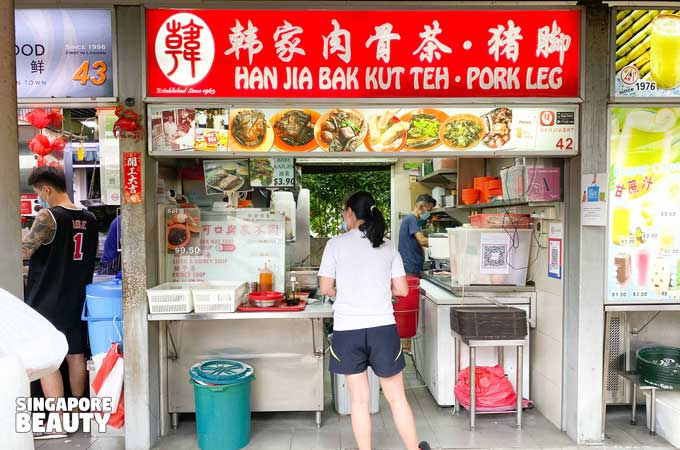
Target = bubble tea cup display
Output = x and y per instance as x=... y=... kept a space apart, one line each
x=642 y=262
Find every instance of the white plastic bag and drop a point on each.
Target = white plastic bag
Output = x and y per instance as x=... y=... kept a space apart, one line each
x=24 y=332
x=13 y=384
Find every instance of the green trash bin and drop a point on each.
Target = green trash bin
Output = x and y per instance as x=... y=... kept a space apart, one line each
x=222 y=396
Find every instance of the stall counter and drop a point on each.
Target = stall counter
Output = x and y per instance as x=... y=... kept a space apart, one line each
x=285 y=349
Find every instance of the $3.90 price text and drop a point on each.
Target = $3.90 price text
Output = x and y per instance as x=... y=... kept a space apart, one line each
x=284 y=181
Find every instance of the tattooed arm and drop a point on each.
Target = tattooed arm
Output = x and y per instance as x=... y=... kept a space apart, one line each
x=41 y=232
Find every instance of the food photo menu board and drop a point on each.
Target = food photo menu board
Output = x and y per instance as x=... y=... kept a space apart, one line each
x=647 y=60
x=644 y=215
x=348 y=130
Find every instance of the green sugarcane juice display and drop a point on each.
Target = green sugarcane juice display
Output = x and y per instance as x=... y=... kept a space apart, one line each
x=664 y=51
x=646 y=138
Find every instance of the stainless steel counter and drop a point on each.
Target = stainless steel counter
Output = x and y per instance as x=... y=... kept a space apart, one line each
x=315 y=311
x=444 y=282
x=282 y=347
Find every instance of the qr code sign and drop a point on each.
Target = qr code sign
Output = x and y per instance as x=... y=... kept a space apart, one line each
x=494 y=257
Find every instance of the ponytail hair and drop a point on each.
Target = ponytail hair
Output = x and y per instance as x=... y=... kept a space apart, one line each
x=364 y=207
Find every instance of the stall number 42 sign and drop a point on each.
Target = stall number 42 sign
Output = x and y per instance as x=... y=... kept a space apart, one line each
x=284 y=172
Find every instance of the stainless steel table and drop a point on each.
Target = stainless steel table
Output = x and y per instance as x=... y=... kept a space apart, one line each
x=284 y=348
x=499 y=344
x=634 y=379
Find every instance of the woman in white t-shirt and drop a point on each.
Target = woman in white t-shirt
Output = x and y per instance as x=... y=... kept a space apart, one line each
x=363 y=270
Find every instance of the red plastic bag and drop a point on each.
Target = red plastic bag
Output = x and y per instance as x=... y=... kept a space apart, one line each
x=492 y=389
x=108 y=383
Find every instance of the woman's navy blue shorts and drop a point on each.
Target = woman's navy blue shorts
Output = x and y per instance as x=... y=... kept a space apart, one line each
x=353 y=351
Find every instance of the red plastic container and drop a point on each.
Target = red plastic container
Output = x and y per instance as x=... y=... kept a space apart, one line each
x=407 y=323
x=406 y=309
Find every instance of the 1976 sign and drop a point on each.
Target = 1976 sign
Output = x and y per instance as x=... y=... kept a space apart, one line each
x=349 y=54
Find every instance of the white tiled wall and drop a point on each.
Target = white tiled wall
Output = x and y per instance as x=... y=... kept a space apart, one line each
x=547 y=338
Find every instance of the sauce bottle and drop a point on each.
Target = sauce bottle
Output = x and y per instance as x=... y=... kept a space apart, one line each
x=266 y=279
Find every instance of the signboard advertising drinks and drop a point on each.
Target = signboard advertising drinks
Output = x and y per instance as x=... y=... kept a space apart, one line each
x=363 y=54
x=64 y=53
x=644 y=215
x=647 y=53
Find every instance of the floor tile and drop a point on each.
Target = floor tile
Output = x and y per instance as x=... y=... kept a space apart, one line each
x=270 y=439
x=79 y=442
x=108 y=443
x=316 y=440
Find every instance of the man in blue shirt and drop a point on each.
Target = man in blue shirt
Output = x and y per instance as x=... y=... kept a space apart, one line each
x=411 y=238
x=110 y=262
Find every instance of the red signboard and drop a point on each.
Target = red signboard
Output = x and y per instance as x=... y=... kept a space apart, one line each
x=360 y=54
x=27 y=204
x=132 y=177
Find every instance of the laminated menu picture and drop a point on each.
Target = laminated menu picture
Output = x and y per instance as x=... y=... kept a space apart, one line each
x=225 y=177
x=644 y=213
x=173 y=129
x=647 y=53
x=212 y=129
x=183 y=231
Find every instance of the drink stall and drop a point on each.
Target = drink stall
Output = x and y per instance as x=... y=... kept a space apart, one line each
x=235 y=112
x=643 y=246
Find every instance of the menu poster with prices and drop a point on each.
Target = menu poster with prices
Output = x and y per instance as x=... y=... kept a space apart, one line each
x=494 y=253
x=340 y=129
x=644 y=214
x=235 y=246
x=555 y=259
x=594 y=200
x=64 y=53
x=647 y=60
x=183 y=231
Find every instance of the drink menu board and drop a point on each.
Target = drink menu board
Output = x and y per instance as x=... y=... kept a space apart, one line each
x=348 y=130
x=234 y=246
x=647 y=61
x=644 y=215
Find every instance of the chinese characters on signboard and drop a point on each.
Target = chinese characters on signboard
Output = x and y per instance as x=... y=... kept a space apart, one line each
x=644 y=214
x=132 y=177
x=64 y=53
x=225 y=53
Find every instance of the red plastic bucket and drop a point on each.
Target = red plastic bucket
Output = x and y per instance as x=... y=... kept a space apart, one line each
x=412 y=299
x=407 y=323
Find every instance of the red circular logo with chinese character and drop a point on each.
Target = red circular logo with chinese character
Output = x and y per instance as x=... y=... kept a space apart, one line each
x=185 y=49
x=630 y=75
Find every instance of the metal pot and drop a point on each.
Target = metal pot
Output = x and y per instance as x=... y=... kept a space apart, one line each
x=307 y=277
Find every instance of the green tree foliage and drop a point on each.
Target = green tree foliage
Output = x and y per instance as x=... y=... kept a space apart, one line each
x=329 y=191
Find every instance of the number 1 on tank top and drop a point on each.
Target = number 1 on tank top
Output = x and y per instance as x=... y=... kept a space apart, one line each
x=78 y=247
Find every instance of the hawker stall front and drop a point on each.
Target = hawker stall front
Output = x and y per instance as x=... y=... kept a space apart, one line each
x=642 y=343
x=250 y=113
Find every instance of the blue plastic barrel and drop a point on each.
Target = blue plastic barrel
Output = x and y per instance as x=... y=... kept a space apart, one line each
x=103 y=312
x=222 y=396
x=105 y=299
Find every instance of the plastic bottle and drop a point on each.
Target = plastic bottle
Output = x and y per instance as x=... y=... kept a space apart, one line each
x=266 y=279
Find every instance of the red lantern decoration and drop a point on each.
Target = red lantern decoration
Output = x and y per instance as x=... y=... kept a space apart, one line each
x=56 y=118
x=58 y=144
x=39 y=118
x=40 y=145
x=41 y=161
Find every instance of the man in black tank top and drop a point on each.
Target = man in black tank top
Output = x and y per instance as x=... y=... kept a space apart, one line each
x=61 y=247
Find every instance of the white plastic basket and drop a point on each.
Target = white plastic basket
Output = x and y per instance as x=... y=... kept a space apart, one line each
x=219 y=296
x=171 y=298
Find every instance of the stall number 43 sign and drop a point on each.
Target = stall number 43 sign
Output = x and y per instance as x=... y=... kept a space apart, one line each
x=284 y=172
x=95 y=73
